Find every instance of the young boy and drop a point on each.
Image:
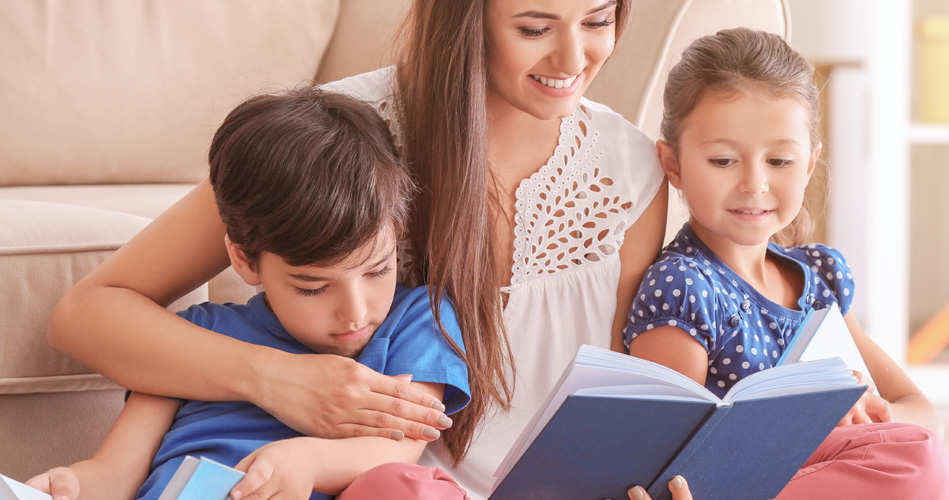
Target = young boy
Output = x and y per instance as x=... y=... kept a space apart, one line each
x=314 y=201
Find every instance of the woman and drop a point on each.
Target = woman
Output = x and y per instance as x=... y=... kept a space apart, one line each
x=526 y=189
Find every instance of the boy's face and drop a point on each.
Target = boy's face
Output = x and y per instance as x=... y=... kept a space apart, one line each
x=333 y=309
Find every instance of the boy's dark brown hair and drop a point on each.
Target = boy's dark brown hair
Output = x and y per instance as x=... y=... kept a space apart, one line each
x=307 y=175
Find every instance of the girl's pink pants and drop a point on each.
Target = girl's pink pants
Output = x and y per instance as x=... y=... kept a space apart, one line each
x=865 y=461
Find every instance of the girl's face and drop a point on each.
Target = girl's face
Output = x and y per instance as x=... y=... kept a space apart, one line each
x=543 y=54
x=743 y=164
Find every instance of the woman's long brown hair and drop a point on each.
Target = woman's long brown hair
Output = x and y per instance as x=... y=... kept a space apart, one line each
x=440 y=97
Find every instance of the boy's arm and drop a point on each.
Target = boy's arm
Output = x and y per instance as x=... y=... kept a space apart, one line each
x=907 y=402
x=300 y=465
x=121 y=464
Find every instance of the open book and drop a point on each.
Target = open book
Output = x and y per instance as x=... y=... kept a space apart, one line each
x=614 y=420
x=195 y=479
x=825 y=334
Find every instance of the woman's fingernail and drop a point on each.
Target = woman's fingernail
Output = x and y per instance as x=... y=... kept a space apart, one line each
x=677 y=482
x=236 y=495
x=444 y=421
x=396 y=435
x=637 y=493
x=430 y=433
x=405 y=376
x=438 y=405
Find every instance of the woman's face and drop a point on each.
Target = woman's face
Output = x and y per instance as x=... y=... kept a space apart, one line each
x=543 y=54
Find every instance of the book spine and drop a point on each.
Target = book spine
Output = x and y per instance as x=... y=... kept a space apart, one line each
x=659 y=489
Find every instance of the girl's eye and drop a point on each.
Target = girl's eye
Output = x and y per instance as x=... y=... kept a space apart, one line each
x=721 y=162
x=382 y=272
x=780 y=162
x=532 y=32
x=310 y=292
x=603 y=23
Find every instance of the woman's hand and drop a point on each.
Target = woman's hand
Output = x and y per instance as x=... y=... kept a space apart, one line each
x=60 y=483
x=678 y=487
x=869 y=408
x=330 y=396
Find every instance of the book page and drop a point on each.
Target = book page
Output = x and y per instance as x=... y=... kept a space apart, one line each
x=11 y=489
x=825 y=334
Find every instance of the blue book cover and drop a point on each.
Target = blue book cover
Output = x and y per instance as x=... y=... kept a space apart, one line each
x=626 y=421
x=201 y=479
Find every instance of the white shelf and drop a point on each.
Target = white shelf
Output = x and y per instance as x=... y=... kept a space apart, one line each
x=920 y=133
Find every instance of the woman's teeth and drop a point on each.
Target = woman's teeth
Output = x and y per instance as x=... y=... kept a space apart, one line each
x=553 y=82
x=751 y=212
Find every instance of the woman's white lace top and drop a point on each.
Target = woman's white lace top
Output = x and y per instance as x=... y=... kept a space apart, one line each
x=570 y=220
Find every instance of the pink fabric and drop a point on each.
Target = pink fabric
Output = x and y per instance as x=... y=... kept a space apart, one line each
x=403 y=481
x=888 y=460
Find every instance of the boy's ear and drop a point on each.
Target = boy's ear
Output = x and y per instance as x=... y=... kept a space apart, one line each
x=669 y=162
x=241 y=263
x=812 y=163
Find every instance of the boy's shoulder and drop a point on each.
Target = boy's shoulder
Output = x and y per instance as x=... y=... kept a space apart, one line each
x=208 y=314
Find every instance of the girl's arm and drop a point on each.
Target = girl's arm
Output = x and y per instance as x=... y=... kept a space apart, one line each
x=296 y=467
x=120 y=466
x=641 y=245
x=907 y=402
x=674 y=348
x=114 y=321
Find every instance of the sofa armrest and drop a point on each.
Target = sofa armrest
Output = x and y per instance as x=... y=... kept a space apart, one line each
x=53 y=410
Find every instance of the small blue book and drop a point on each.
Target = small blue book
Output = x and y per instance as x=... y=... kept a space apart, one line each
x=614 y=421
x=201 y=479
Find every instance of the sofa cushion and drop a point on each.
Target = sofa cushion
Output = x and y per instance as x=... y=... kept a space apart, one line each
x=115 y=91
x=45 y=248
x=143 y=200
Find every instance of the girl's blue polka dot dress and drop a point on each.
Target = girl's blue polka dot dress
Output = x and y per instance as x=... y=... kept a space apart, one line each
x=690 y=288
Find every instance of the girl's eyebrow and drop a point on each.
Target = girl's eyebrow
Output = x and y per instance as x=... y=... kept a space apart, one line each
x=536 y=14
x=729 y=142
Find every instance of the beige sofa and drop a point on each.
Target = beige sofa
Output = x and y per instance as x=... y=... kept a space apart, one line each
x=106 y=112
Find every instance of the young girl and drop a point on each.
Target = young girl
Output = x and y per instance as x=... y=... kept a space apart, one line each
x=314 y=200
x=740 y=141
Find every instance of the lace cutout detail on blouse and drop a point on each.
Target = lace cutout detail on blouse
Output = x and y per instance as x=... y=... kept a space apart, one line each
x=404 y=260
x=568 y=213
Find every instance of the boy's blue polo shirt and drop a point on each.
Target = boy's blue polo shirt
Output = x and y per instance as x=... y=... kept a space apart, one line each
x=406 y=342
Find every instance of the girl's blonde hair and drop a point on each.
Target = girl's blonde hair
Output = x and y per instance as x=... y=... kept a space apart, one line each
x=742 y=59
x=441 y=96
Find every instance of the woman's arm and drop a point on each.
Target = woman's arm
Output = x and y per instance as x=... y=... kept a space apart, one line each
x=114 y=321
x=907 y=403
x=641 y=245
x=120 y=466
x=295 y=467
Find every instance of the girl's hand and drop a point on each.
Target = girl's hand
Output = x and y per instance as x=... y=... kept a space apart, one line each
x=869 y=408
x=678 y=487
x=286 y=467
x=60 y=483
x=332 y=396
